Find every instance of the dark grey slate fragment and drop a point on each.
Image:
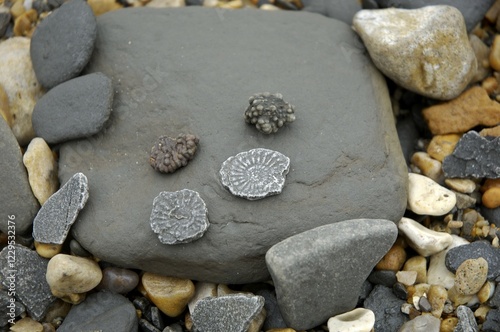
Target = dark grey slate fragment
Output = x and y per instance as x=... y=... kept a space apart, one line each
x=319 y=273
x=383 y=277
x=9 y=310
x=28 y=270
x=494 y=301
x=492 y=322
x=473 y=11
x=492 y=215
x=339 y=9
x=4 y=19
x=387 y=309
x=17 y=202
x=466 y=320
x=53 y=221
x=63 y=42
x=274 y=319
x=474 y=156
x=346 y=101
x=229 y=313
x=77 y=108
x=102 y=311
x=408 y=135
x=456 y=256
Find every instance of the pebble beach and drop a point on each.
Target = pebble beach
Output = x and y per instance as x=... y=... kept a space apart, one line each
x=250 y=165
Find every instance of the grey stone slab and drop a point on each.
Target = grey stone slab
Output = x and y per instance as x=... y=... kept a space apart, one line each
x=319 y=273
x=192 y=70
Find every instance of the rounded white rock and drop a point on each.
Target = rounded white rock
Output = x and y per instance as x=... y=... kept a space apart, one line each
x=426 y=197
x=423 y=240
x=357 y=320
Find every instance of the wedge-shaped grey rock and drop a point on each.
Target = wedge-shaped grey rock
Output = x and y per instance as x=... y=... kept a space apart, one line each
x=53 y=221
x=230 y=313
x=345 y=156
x=319 y=273
x=474 y=156
x=22 y=271
x=77 y=108
x=62 y=43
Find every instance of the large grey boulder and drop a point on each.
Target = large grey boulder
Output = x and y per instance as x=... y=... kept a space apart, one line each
x=192 y=70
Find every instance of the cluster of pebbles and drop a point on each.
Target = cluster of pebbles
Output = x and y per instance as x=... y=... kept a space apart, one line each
x=441 y=274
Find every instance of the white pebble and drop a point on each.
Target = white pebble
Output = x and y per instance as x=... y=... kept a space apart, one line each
x=407 y=278
x=357 y=320
x=426 y=197
x=438 y=273
x=423 y=240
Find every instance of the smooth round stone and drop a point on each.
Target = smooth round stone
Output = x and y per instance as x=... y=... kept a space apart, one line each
x=464 y=186
x=426 y=197
x=27 y=324
x=42 y=169
x=428 y=166
x=486 y=292
x=491 y=198
x=424 y=50
x=383 y=277
x=118 y=280
x=100 y=7
x=394 y=259
x=442 y=146
x=72 y=25
x=423 y=240
x=407 y=278
x=471 y=276
x=357 y=320
x=423 y=323
x=20 y=84
x=437 y=296
x=170 y=295
x=70 y=276
x=47 y=250
x=419 y=265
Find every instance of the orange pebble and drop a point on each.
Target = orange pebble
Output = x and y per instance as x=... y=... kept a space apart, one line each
x=491 y=198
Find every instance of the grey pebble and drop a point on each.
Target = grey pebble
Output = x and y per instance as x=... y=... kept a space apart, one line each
x=77 y=108
x=63 y=42
x=457 y=255
x=492 y=322
x=118 y=280
x=424 y=304
x=492 y=215
x=423 y=323
x=313 y=265
x=466 y=320
x=274 y=319
x=474 y=156
x=229 y=313
x=77 y=249
x=494 y=301
x=53 y=221
x=387 y=309
x=31 y=287
x=383 y=277
x=102 y=311
x=400 y=291
x=147 y=326
x=4 y=19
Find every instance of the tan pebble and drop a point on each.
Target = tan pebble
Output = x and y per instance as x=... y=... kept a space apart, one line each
x=258 y=321
x=171 y=295
x=464 y=186
x=27 y=324
x=286 y=329
x=471 y=276
x=394 y=259
x=482 y=52
x=448 y=324
x=407 y=278
x=4 y=107
x=495 y=54
x=465 y=201
x=428 y=166
x=24 y=25
x=47 y=250
x=42 y=169
x=486 y=292
x=437 y=296
x=457 y=298
x=202 y=290
x=442 y=146
x=492 y=13
x=489 y=184
x=419 y=265
x=491 y=198
x=490 y=84
x=225 y=290
x=59 y=309
x=234 y=4
x=17 y=9
x=268 y=6
x=472 y=108
x=49 y=327
x=481 y=313
x=188 y=321
x=100 y=7
x=494 y=131
x=166 y=3
x=70 y=277
x=417 y=290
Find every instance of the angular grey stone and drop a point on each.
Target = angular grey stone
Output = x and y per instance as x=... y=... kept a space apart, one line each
x=473 y=11
x=387 y=309
x=456 y=256
x=25 y=269
x=466 y=320
x=492 y=322
x=4 y=19
x=274 y=319
x=77 y=108
x=62 y=43
x=474 y=156
x=335 y=174
x=18 y=205
x=53 y=221
x=229 y=313
x=338 y=9
x=494 y=301
x=492 y=215
x=319 y=273
x=383 y=277
x=102 y=311
x=423 y=323
x=179 y=217
x=9 y=310
x=255 y=174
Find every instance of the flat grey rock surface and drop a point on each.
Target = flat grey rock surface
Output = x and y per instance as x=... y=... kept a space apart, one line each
x=16 y=198
x=319 y=273
x=192 y=70
x=387 y=309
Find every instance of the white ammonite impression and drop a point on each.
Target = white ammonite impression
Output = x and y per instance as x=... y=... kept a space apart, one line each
x=255 y=174
x=179 y=216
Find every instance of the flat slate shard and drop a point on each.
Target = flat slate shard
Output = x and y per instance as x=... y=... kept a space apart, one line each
x=474 y=156
x=53 y=221
x=255 y=174
x=31 y=287
x=230 y=313
x=179 y=217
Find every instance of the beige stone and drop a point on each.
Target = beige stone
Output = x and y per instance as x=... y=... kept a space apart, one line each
x=27 y=324
x=394 y=259
x=464 y=186
x=17 y=9
x=490 y=84
x=437 y=296
x=59 y=309
x=472 y=108
x=166 y=3
x=19 y=82
x=486 y=292
x=24 y=25
x=492 y=13
x=448 y=324
x=100 y=7
x=47 y=250
x=419 y=265
x=286 y=329
x=482 y=52
x=428 y=166
x=258 y=321
x=417 y=290
x=493 y=131
x=4 y=107
x=268 y=6
x=407 y=278
x=442 y=146
x=481 y=313
x=491 y=198
x=70 y=277
x=202 y=290
x=42 y=169
x=426 y=197
x=458 y=298
x=471 y=276
x=489 y=184
x=171 y=295
x=425 y=50
x=495 y=54
x=233 y=4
